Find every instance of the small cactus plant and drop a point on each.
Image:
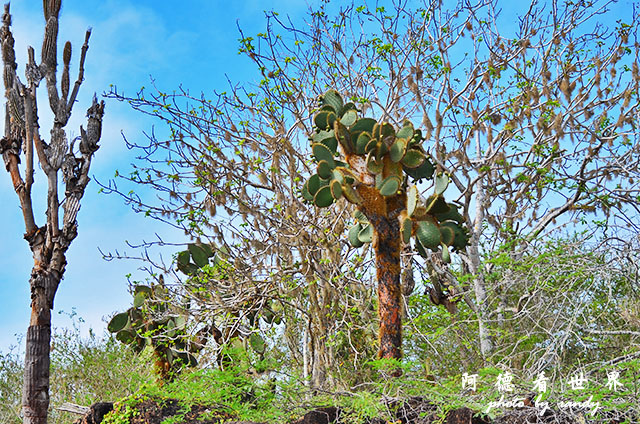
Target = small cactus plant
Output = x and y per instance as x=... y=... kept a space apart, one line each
x=151 y=322
x=370 y=164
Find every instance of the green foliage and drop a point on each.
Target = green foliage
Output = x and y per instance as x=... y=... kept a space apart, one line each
x=83 y=371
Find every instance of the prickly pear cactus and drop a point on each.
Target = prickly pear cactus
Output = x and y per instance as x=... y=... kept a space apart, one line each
x=371 y=164
x=150 y=322
x=375 y=166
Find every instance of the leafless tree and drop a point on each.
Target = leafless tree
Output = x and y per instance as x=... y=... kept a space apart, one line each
x=22 y=146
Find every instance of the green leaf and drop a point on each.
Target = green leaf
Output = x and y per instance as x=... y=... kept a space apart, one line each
x=323 y=197
x=118 y=322
x=322 y=152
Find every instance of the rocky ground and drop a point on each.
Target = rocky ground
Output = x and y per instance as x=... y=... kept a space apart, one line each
x=412 y=411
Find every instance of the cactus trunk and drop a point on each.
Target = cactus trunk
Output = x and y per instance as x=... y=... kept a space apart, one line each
x=387 y=248
x=35 y=391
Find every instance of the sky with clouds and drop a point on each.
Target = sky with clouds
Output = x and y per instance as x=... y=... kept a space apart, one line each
x=195 y=45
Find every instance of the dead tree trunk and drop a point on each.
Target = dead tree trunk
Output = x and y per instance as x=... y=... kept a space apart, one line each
x=48 y=243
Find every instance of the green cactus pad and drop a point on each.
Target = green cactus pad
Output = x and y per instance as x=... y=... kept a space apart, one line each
x=389 y=186
x=306 y=195
x=366 y=234
x=436 y=204
x=324 y=120
x=374 y=166
x=406 y=131
x=200 y=254
x=451 y=214
x=325 y=171
x=349 y=117
x=371 y=145
x=118 y=322
x=126 y=336
x=447 y=235
x=138 y=299
x=420 y=248
x=351 y=194
x=360 y=217
x=442 y=181
x=387 y=132
x=406 y=226
x=142 y=289
x=331 y=143
x=344 y=137
x=428 y=234
x=412 y=200
x=332 y=98
x=461 y=239
x=446 y=257
x=398 y=149
x=413 y=158
x=362 y=125
x=336 y=189
x=314 y=184
x=361 y=143
x=353 y=235
x=423 y=171
x=323 y=197
x=381 y=149
x=322 y=152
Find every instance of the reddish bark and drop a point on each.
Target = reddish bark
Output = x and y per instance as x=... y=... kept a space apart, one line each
x=383 y=215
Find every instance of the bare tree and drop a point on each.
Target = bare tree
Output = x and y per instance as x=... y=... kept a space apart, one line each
x=537 y=124
x=20 y=146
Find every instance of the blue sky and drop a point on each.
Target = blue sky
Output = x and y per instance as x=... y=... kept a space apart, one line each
x=195 y=45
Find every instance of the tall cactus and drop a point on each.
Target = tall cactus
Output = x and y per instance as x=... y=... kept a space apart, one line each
x=369 y=164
